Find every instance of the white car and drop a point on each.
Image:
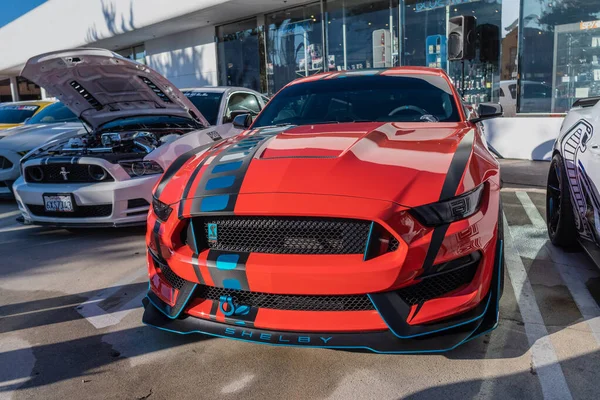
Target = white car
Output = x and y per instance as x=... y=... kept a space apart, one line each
x=573 y=192
x=54 y=122
x=139 y=123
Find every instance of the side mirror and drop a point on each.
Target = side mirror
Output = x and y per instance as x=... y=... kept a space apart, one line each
x=242 y=121
x=487 y=111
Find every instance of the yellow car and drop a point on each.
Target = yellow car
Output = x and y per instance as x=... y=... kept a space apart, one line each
x=15 y=114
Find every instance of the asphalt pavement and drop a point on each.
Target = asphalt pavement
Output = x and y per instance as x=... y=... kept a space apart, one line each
x=70 y=327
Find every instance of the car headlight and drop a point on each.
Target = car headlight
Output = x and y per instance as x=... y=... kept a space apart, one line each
x=448 y=211
x=141 y=168
x=161 y=209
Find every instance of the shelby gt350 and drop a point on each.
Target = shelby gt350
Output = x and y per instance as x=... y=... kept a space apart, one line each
x=359 y=210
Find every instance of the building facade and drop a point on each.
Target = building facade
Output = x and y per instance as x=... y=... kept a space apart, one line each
x=533 y=56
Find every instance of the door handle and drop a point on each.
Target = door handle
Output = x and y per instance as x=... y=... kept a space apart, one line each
x=595 y=149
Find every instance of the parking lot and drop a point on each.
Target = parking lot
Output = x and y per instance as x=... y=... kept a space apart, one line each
x=70 y=327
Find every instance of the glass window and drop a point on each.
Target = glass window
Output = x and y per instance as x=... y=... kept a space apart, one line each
x=560 y=54
x=361 y=99
x=294 y=45
x=246 y=102
x=136 y=53
x=54 y=113
x=362 y=34
x=240 y=54
x=16 y=114
x=425 y=43
x=208 y=103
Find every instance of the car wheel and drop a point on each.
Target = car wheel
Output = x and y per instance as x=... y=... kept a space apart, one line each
x=559 y=211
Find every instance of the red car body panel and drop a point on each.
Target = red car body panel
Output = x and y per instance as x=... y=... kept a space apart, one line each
x=361 y=171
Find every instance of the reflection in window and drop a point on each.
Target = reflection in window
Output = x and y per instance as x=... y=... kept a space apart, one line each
x=560 y=54
x=362 y=34
x=294 y=45
x=136 y=53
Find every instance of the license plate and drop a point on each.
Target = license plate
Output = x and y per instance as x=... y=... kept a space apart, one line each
x=58 y=203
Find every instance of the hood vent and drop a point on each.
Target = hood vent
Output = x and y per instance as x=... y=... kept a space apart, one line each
x=156 y=90
x=86 y=95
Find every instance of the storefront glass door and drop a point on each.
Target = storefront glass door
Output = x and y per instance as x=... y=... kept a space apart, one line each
x=239 y=54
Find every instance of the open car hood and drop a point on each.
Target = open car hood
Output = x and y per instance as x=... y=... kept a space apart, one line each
x=100 y=86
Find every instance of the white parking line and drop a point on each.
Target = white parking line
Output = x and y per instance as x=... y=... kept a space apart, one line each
x=15 y=227
x=544 y=359
x=10 y=214
x=571 y=277
x=96 y=316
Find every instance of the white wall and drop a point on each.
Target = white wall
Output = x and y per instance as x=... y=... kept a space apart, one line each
x=63 y=24
x=188 y=59
x=526 y=138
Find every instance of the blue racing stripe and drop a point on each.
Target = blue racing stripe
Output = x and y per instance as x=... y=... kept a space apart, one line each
x=227 y=167
x=227 y=261
x=220 y=182
x=232 y=283
x=214 y=203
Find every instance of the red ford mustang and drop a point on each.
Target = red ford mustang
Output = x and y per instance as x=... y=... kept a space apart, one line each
x=359 y=210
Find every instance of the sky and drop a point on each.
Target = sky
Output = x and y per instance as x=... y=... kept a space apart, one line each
x=13 y=9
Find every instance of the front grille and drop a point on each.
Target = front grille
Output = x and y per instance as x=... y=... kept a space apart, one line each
x=286 y=235
x=56 y=173
x=5 y=163
x=104 y=210
x=288 y=301
x=393 y=244
x=439 y=284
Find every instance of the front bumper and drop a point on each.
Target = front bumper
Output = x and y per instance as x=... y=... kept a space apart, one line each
x=399 y=338
x=10 y=174
x=116 y=194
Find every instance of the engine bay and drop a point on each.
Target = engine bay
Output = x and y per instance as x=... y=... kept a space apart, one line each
x=115 y=146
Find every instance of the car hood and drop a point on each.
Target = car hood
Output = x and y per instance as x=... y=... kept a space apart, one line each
x=28 y=137
x=406 y=163
x=100 y=86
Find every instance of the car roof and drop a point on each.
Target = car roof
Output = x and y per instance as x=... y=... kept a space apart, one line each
x=394 y=71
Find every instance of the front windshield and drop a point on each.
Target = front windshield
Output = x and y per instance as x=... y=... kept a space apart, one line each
x=54 y=113
x=149 y=122
x=207 y=103
x=15 y=114
x=363 y=98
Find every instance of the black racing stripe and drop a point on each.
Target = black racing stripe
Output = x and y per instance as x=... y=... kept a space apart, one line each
x=457 y=166
x=187 y=188
x=156 y=237
x=197 y=269
x=248 y=147
x=437 y=238
x=176 y=165
x=213 y=310
x=221 y=276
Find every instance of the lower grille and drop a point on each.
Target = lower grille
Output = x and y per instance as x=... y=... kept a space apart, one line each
x=289 y=302
x=5 y=163
x=66 y=173
x=437 y=285
x=104 y=210
x=171 y=277
x=284 y=235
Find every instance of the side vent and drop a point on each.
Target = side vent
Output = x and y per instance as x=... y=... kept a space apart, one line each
x=156 y=90
x=86 y=95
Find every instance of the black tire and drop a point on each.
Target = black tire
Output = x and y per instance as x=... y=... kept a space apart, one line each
x=559 y=210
